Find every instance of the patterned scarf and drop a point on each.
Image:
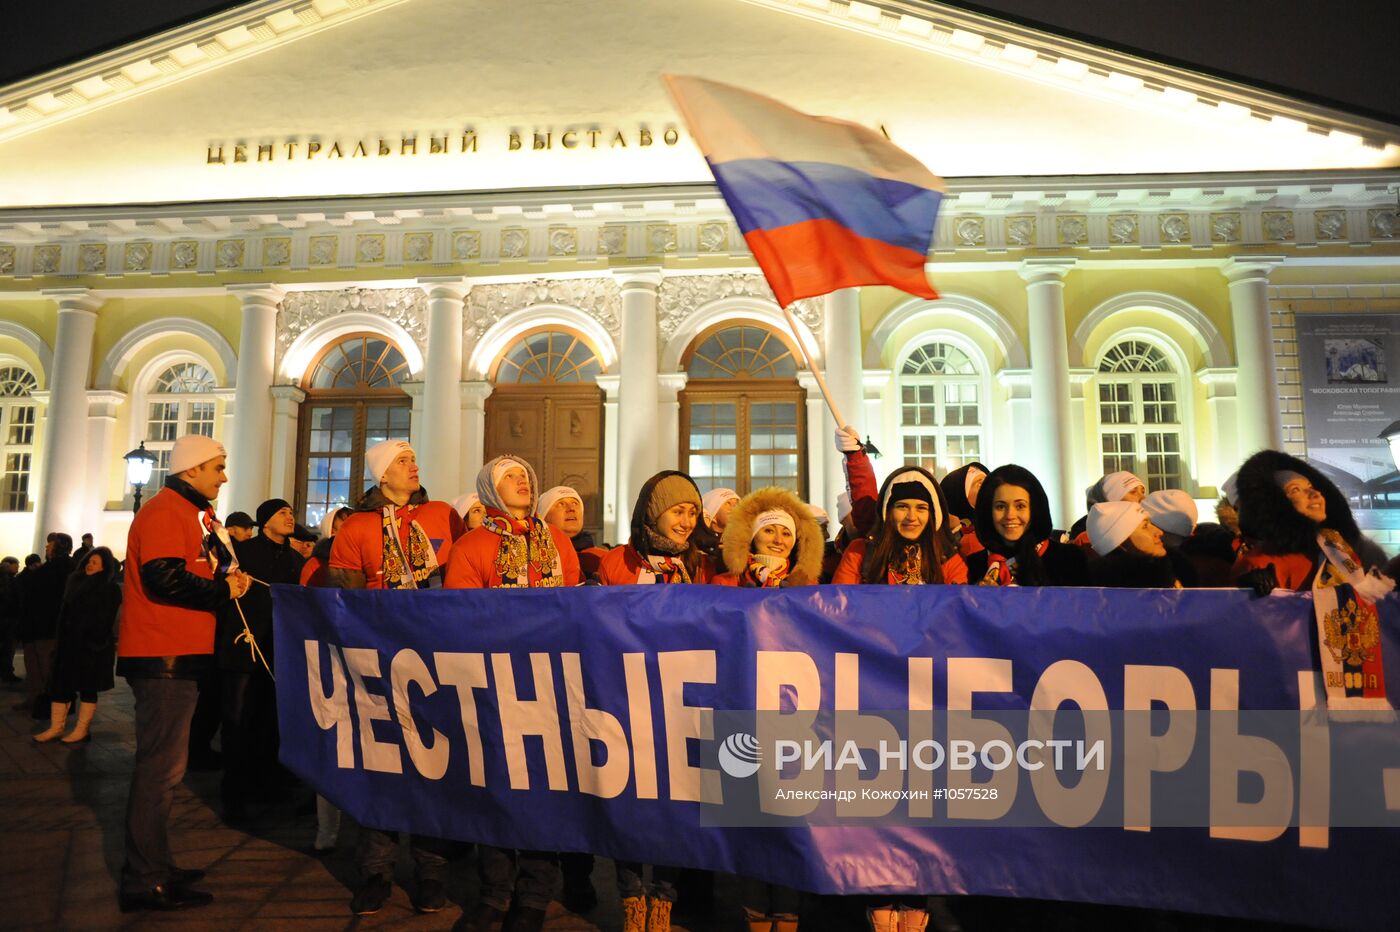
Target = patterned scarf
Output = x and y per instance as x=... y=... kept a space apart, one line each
x=408 y=558
x=664 y=569
x=1348 y=628
x=218 y=546
x=909 y=570
x=764 y=572
x=1001 y=571
x=526 y=557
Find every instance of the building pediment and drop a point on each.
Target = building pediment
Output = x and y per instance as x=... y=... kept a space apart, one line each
x=382 y=97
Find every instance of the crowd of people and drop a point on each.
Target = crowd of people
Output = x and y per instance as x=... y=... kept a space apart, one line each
x=195 y=635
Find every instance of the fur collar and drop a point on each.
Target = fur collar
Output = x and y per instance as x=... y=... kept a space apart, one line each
x=808 y=549
x=1269 y=519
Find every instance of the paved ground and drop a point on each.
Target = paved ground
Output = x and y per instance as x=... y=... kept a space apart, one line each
x=61 y=813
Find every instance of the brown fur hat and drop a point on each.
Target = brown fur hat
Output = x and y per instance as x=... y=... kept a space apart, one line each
x=807 y=550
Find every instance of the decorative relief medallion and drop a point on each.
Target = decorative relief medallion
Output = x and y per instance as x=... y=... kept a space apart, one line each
x=683 y=295
x=971 y=231
x=563 y=241
x=228 y=254
x=714 y=237
x=185 y=254
x=323 y=250
x=1123 y=229
x=7 y=259
x=599 y=298
x=418 y=247
x=514 y=243
x=661 y=239
x=1174 y=228
x=301 y=310
x=1278 y=225
x=92 y=257
x=1330 y=225
x=612 y=240
x=369 y=248
x=276 y=251
x=46 y=258
x=1073 y=230
x=1385 y=224
x=466 y=244
x=1225 y=228
x=1020 y=231
x=138 y=257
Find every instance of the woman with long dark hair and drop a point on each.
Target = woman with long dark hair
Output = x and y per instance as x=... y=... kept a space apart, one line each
x=1012 y=521
x=87 y=645
x=909 y=544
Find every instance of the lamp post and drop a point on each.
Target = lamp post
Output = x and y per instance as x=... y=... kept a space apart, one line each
x=139 y=463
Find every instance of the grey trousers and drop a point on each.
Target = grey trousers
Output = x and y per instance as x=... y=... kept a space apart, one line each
x=163 y=712
x=38 y=667
x=376 y=851
x=529 y=878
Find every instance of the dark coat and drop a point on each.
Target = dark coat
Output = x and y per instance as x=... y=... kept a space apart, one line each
x=87 y=635
x=274 y=564
x=1122 y=570
x=43 y=598
x=1268 y=519
x=1061 y=564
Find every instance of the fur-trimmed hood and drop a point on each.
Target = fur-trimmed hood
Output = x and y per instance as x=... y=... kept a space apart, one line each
x=808 y=548
x=1268 y=518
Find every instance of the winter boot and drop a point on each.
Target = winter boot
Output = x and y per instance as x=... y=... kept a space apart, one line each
x=634 y=914
x=80 y=731
x=883 y=919
x=756 y=921
x=912 y=920
x=658 y=915
x=58 y=714
x=784 y=922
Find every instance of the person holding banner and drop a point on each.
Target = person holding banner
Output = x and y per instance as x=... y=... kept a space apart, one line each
x=396 y=539
x=1011 y=521
x=512 y=549
x=1130 y=545
x=180 y=570
x=771 y=540
x=909 y=544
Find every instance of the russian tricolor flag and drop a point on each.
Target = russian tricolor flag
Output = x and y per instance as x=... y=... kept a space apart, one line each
x=823 y=203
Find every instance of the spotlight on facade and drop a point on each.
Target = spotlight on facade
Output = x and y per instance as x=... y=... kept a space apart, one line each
x=1391 y=435
x=139 y=463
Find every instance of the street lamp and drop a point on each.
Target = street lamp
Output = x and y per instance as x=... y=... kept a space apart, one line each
x=139 y=463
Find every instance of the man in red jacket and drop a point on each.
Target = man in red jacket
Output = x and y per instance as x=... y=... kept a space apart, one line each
x=180 y=570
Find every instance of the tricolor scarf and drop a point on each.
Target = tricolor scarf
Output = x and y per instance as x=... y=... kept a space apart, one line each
x=409 y=561
x=1001 y=571
x=664 y=569
x=218 y=546
x=526 y=557
x=908 y=571
x=764 y=572
x=1348 y=627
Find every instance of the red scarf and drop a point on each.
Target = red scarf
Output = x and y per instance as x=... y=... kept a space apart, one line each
x=1001 y=571
x=526 y=557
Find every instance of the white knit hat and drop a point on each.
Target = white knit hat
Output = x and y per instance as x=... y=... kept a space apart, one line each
x=554 y=496
x=504 y=463
x=1117 y=485
x=843 y=507
x=819 y=515
x=774 y=516
x=193 y=449
x=1112 y=523
x=712 y=501
x=1173 y=511
x=464 y=503
x=381 y=456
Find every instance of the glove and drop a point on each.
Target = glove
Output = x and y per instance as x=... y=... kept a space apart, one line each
x=847 y=439
x=796 y=578
x=1261 y=581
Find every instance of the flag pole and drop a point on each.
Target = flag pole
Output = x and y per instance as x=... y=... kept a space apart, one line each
x=812 y=368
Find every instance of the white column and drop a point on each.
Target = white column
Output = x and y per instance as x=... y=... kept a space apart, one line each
x=638 y=394
x=286 y=405
x=440 y=453
x=818 y=491
x=104 y=458
x=876 y=387
x=1222 y=453
x=1260 y=421
x=845 y=380
x=62 y=494
x=249 y=444
x=1050 y=433
x=609 y=385
x=416 y=425
x=668 y=420
x=1082 y=470
x=473 y=396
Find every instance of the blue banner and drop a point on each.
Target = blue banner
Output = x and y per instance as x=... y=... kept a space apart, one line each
x=586 y=720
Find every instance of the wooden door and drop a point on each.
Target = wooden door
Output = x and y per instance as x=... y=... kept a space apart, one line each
x=559 y=430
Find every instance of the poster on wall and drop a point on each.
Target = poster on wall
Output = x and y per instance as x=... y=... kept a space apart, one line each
x=1350 y=367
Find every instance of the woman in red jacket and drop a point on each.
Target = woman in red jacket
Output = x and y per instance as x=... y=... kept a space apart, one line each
x=771 y=540
x=908 y=544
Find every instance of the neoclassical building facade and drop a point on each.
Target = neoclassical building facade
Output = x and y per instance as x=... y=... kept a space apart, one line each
x=258 y=228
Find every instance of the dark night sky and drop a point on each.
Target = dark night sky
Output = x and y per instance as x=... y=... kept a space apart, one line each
x=1346 y=53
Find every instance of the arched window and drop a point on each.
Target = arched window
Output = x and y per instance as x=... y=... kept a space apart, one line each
x=17 y=431
x=180 y=403
x=742 y=424
x=549 y=356
x=940 y=413
x=353 y=400
x=1140 y=414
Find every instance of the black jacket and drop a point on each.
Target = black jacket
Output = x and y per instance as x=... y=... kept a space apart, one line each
x=44 y=599
x=1122 y=570
x=87 y=642
x=274 y=564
